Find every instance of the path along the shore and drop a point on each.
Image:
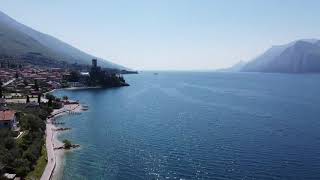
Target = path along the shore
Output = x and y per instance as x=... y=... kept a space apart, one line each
x=52 y=161
x=47 y=174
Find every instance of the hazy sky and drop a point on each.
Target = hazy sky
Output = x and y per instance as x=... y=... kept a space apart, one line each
x=171 y=34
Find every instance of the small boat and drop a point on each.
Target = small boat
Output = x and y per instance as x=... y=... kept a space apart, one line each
x=155 y=73
x=85 y=109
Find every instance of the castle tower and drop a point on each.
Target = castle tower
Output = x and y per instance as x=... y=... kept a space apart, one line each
x=94 y=63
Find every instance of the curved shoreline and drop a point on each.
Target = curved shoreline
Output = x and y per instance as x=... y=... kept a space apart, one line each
x=55 y=158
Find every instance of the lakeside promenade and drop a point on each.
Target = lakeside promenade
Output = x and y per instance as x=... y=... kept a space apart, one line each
x=52 y=162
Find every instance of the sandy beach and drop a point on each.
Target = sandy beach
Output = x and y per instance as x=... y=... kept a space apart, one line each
x=55 y=157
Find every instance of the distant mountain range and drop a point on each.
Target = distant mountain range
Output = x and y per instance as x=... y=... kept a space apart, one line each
x=301 y=56
x=235 y=68
x=19 y=40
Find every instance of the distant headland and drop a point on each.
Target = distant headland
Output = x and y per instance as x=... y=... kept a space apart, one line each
x=96 y=76
x=300 y=56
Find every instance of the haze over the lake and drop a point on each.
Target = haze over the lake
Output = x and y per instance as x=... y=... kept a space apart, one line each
x=171 y=34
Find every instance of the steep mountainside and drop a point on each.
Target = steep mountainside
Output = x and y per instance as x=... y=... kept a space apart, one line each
x=235 y=68
x=302 y=56
x=19 y=40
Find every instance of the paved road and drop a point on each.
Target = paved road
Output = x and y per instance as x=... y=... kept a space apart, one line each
x=47 y=174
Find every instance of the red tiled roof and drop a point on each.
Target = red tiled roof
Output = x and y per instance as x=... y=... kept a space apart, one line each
x=7 y=115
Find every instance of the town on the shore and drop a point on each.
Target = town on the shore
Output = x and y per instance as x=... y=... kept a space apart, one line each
x=26 y=105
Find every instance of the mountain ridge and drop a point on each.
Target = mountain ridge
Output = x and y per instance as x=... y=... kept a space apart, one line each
x=20 y=40
x=300 y=56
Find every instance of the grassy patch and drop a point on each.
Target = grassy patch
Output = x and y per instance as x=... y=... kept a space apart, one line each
x=40 y=166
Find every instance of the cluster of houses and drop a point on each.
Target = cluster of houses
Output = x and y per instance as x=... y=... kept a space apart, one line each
x=21 y=83
x=7 y=74
x=26 y=84
x=27 y=79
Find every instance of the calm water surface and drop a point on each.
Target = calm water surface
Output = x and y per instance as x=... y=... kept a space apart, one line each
x=184 y=125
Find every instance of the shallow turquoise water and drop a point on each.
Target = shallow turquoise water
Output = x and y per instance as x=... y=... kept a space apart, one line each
x=188 y=125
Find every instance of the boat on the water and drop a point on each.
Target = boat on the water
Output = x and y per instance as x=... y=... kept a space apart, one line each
x=85 y=107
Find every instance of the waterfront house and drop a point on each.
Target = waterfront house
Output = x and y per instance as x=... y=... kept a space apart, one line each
x=7 y=119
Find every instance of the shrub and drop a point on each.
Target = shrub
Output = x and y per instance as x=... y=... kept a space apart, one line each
x=67 y=144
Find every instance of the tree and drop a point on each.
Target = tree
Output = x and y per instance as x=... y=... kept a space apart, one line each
x=20 y=156
x=36 y=85
x=39 y=98
x=50 y=98
x=65 y=98
x=21 y=166
x=74 y=76
x=28 y=99
x=67 y=144
x=49 y=102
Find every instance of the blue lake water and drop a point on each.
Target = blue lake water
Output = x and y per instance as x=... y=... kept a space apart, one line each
x=197 y=125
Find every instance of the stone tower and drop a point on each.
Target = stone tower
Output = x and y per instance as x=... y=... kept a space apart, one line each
x=94 y=63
